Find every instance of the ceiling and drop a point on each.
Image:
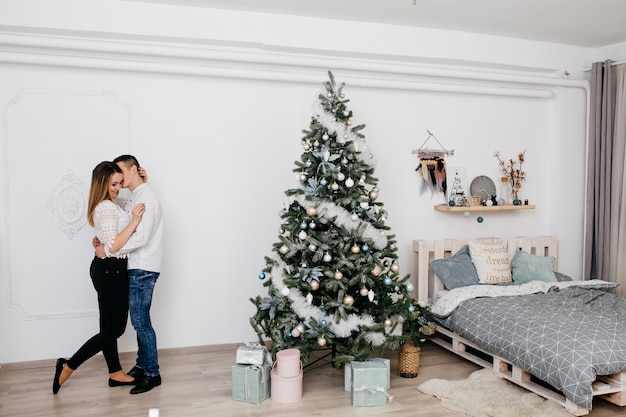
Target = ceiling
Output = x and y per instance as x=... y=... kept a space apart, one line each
x=586 y=23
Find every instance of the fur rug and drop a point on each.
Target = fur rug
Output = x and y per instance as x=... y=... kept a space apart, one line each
x=483 y=394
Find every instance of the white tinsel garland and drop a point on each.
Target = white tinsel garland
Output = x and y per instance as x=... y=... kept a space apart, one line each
x=343 y=218
x=303 y=309
x=363 y=152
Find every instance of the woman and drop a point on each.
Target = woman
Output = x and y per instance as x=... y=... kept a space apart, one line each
x=113 y=226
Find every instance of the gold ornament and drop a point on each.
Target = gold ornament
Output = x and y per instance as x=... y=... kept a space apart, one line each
x=363 y=291
x=311 y=211
x=321 y=341
x=373 y=195
x=388 y=323
x=338 y=275
x=355 y=249
x=395 y=268
x=315 y=285
x=348 y=300
x=348 y=122
x=302 y=177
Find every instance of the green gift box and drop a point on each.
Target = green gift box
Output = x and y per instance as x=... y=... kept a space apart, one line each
x=369 y=384
x=251 y=383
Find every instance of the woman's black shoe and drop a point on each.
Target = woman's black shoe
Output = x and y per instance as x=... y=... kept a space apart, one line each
x=114 y=383
x=56 y=386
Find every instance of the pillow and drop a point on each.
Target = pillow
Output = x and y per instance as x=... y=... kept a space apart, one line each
x=561 y=277
x=456 y=271
x=491 y=261
x=528 y=267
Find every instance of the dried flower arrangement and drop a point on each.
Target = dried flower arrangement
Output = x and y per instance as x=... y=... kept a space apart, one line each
x=512 y=172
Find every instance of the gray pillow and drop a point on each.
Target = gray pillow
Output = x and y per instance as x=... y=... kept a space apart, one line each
x=456 y=271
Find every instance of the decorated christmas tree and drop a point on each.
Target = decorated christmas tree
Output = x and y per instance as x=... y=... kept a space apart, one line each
x=333 y=281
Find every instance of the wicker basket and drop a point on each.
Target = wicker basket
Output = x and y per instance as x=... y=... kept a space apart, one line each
x=408 y=360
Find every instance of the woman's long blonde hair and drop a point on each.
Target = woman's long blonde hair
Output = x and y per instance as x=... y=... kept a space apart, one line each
x=100 y=182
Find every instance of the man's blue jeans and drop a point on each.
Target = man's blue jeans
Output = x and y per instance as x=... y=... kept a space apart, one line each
x=139 y=301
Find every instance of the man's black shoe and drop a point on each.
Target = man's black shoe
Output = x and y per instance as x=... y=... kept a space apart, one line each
x=146 y=383
x=136 y=373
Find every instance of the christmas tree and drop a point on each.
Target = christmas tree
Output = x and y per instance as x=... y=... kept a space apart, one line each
x=333 y=280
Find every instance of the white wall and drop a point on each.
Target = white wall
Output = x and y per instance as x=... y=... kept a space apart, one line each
x=213 y=104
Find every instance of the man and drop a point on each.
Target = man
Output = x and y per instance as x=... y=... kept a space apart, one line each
x=144 y=266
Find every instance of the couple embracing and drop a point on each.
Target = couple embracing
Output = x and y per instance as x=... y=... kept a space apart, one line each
x=124 y=272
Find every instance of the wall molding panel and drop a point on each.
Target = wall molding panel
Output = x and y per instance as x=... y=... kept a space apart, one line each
x=68 y=122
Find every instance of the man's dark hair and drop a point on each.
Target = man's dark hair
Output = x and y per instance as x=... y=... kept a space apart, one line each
x=127 y=160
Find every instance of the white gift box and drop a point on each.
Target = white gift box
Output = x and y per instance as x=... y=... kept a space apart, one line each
x=249 y=353
x=347 y=376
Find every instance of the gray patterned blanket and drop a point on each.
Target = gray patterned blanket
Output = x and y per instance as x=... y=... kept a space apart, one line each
x=565 y=336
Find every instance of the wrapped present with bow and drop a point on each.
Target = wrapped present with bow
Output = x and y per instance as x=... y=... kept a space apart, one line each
x=252 y=353
x=369 y=384
x=251 y=383
x=347 y=381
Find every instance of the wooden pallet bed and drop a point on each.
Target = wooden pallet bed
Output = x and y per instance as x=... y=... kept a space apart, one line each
x=609 y=387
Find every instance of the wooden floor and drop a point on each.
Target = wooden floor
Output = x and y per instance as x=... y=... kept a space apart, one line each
x=197 y=382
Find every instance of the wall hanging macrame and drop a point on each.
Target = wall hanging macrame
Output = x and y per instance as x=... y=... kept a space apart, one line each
x=432 y=165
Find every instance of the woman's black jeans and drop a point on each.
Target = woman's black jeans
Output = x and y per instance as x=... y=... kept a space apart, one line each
x=110 y=279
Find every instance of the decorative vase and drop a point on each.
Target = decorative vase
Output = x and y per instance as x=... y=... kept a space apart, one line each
x=515 y=194
x=408 y=360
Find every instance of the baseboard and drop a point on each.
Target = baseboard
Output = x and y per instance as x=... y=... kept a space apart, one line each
x=45 y=363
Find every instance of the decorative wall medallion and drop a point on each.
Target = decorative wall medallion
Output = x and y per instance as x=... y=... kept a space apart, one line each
x=67 y=204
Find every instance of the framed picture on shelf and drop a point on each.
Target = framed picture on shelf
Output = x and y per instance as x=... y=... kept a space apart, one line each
x=458 y=189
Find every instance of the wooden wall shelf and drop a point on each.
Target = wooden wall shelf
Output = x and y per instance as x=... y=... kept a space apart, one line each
x=507 y=207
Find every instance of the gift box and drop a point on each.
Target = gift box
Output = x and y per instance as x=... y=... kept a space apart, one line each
x=369 y=384
x=286 y=389
x=252 y=354
x=347 y=375
x=251 y=383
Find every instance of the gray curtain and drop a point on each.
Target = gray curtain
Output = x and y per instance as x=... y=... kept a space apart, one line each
x=617 y=260
x=597 y=210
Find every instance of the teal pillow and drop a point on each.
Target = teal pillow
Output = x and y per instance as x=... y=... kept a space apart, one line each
x=527 y=267
x=456 y=271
